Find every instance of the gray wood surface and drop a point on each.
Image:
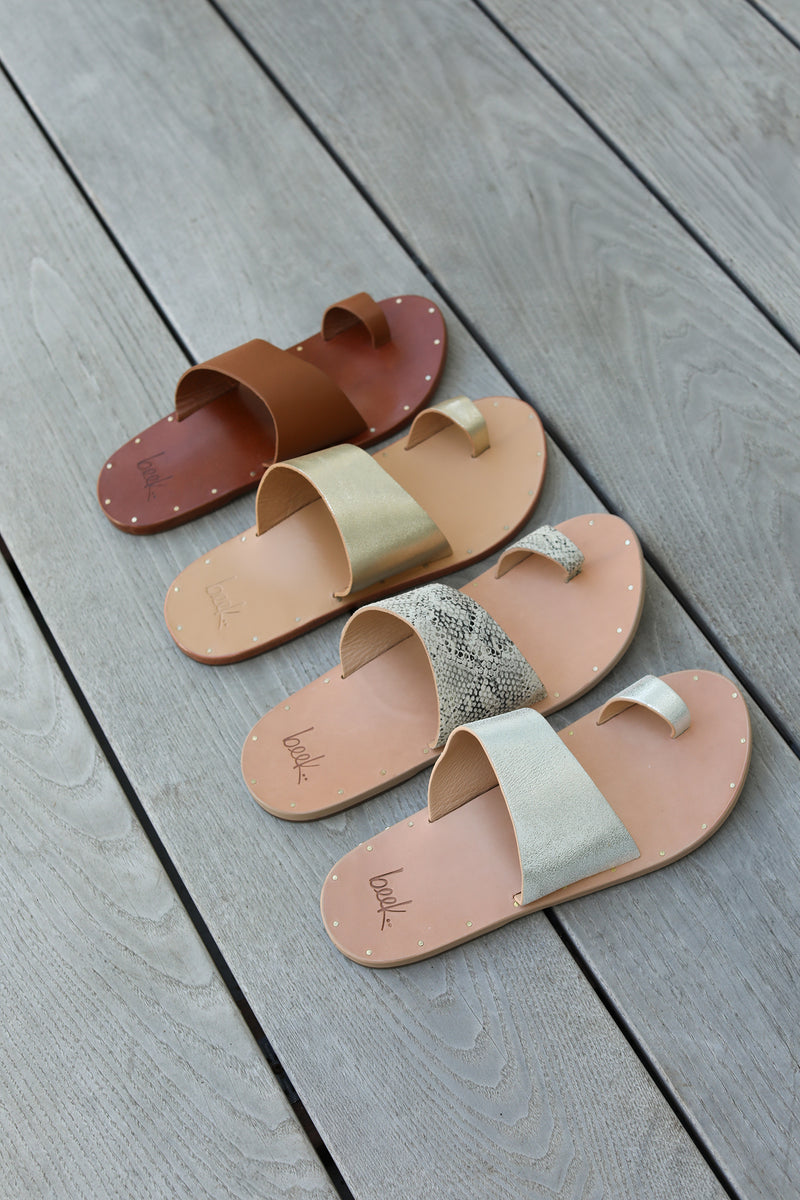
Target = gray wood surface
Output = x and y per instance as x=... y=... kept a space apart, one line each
x=667 y=387
x=494 y=1071
x=125 y=1067
x=704 y=100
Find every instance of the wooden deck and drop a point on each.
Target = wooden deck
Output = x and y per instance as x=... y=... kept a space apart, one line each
x=604 y=201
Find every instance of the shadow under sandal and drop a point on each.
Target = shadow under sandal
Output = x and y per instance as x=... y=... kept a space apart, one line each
x=520 y=818
x=341 y=527
x=540 y=628
x=372 y=366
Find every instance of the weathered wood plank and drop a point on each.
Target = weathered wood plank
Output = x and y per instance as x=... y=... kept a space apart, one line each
x=651 y=366
x=703 y=99
x=468 y=1076
x=125 y=1068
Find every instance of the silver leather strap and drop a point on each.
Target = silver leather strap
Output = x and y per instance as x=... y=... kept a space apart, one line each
x=565 y=828
x=477 y=669
x=653 y=693
x=548 y=543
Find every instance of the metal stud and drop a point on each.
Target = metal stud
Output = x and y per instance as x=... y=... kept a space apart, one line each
x=170 y=418
x=255 y=637
x=213 y=491
x=405 y=408
x=627 y=541
x=410 y=824
x=695 y=678
x=743 y=740
x=662 y=853
x=209 y=650
x=134 y=520
x=592 y=521
x=619 y=629
x=208 y=560
x=339 y=793
x=383 y=770
x=733 y=785
x=243 y=537
x=368 y=952
x=286 y=707
x=299 y=349
x=369 y=847
x=326 y=681
x=176 y=508
x=179 y=628
x=252 y=474
x=293 y=804
x=399 y=300
x=594 y=668
x=426 y=749
x=420 y=943
x=496 y=404
x=334 y=877
x=137 y=441
x=556 y=695
x=630 y=587
x=253 y=781
x=431 y=310
x=254 y=738
x=505 y=527
x=297 y=619
x=176 y=589
x=372 y=428
x=428 y=378
x=469 y=924
x=734 y=695
x=108 y=501
x=335 y=924
x=437 y=341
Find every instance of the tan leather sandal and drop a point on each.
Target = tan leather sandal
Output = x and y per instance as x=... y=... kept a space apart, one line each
x=340 y=527
x=565 y=601
x=372 y=366
x=520 y=818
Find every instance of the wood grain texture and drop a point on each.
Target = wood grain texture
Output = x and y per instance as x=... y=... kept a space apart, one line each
x=491 y=1073
x=704 y=100
x=668 y=387
x=125 y=1067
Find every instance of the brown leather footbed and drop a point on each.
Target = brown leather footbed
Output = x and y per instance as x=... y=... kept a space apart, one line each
x=252 y=593
x=338 y=741
x=175 y=470
x=459 y=877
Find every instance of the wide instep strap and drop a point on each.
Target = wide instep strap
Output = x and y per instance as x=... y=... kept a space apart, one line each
x=565 y=828
x=382 y=528
x=477 y=669
x=307 y=407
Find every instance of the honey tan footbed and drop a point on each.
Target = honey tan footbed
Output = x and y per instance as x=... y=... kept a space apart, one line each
x=455 y=878
x=252 y=593
x=338 y=741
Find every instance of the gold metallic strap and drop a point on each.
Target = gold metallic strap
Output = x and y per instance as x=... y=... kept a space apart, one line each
x=383 y=529
x=459 y=411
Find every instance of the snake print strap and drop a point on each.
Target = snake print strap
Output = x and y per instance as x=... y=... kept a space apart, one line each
x=477 y=669
x=547 y=542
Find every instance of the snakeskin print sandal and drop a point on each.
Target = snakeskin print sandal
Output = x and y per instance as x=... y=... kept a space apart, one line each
x=565 y=600
x=520 y=818
x=372 y=366
x=341 y=527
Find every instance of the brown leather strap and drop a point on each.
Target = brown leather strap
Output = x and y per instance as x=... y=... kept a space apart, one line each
x=306 y=406
x=360 y=309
